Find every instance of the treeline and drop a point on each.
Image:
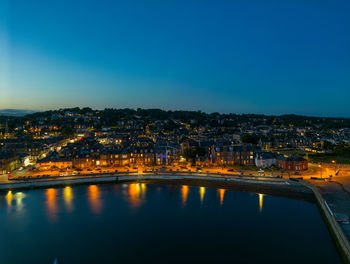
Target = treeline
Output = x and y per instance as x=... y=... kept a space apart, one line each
x=110 y=116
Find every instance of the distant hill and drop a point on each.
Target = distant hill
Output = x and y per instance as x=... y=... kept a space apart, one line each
x=15 y=112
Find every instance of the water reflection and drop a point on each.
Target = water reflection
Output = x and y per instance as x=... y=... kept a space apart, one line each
x=221 y=194
x=94 y=198
x=143 y=190
x=137 y=192
x=17 y=197
x=184 y=194
x=9 y=198
x=201 y=193
x=51 y=203
x=68 y=197
x=261 y=200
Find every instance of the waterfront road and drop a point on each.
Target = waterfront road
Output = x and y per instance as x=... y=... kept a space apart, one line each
x=3 y=178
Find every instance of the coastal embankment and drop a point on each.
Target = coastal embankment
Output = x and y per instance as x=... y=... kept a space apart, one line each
x=264 y=185
x=328 y=215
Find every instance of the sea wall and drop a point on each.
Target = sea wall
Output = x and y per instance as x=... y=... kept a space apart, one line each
x=333 y=226
x=30 y=184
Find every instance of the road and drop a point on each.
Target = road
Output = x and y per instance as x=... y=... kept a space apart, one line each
x=4 y=179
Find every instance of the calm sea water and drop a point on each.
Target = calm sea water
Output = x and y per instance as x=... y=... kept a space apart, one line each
x=146 y=223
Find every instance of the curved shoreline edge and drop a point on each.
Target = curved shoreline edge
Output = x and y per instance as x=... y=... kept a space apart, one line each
x=338 y=235
x=301 y=190
x=255 y=184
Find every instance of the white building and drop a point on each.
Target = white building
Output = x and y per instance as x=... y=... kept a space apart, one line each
x=265 y=159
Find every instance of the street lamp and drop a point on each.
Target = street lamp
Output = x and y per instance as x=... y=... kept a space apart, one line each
x=320 y=166
x=335 y=166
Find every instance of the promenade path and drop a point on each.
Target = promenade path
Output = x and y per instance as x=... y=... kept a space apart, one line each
x=4 y=178
x=337 y=195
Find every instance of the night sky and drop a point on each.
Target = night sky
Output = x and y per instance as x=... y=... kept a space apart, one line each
x=263 y=56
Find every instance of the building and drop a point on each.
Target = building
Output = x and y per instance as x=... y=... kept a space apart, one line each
x=231 y=155
x=292 y=163
x=9 y=161
x=265 y=159
x=55 y=163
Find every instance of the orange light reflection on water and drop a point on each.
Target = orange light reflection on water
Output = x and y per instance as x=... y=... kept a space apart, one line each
x=68 y=197
x=9 y=198
x=184 y=194
x=17 y=197
x=261 y=200
x=137 y=193
x=201 y=193
x=222 y=194
x=94 y=198
x=51 y=199
x=143 y=190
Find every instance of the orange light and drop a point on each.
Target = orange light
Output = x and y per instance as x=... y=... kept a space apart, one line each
x=9 y=198
x=68 y=197
x=184 y=192
x=134 y=194
x=222 y=194
x=261 y=200
x=94 y=198
x=51 y=202
x=202 y=193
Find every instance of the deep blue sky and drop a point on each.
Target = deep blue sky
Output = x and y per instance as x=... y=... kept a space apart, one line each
x=268 y=56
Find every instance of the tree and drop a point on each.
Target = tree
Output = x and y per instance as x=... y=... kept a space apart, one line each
x=191 y=154
x=67 y=132
x=250 y=139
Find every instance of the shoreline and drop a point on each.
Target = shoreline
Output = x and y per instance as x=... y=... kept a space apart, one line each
x=264 y=185
x=255 y=184
x=338 y=235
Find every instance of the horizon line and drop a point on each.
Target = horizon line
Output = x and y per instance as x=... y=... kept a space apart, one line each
x=135 y=109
